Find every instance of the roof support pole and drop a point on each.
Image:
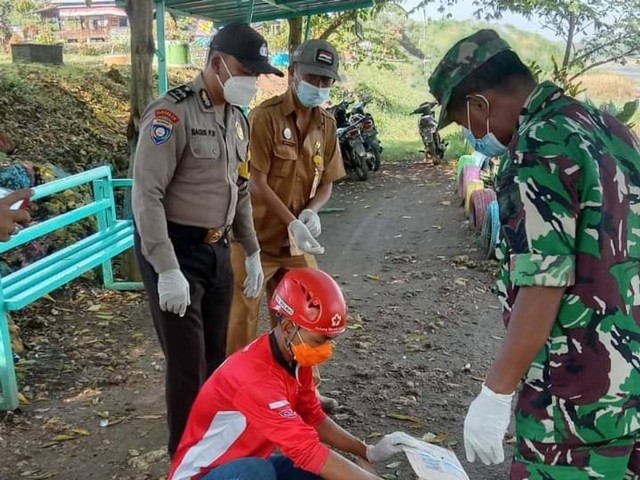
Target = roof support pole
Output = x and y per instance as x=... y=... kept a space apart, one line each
x=161 y=50
x=307 y=30
x=249 y=21
x=252 y=6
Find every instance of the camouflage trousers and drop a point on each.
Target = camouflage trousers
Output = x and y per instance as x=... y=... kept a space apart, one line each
x=614 y=460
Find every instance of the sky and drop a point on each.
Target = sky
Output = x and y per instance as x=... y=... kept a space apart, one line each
x=464 y=9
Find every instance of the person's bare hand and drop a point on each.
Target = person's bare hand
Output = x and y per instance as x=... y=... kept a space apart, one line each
x=10 y=219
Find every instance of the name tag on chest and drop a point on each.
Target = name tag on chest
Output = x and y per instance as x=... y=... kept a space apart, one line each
x=203 y=132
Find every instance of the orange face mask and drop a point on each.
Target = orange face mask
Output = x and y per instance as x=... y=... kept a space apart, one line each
x=308 y=356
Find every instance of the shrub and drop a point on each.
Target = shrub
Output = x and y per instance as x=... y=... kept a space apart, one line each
x=457 y=145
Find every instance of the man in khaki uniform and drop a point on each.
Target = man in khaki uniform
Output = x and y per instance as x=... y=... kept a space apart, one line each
x=187 y=198
x=295 y=158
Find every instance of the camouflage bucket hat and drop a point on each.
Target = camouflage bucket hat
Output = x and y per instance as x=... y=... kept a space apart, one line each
x=459 y=62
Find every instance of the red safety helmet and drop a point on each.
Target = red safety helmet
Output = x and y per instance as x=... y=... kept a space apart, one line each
x=312 y=300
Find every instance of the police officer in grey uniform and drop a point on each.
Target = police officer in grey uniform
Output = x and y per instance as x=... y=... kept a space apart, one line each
x=188 y=197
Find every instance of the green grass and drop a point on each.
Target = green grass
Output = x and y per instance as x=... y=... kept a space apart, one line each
x=68 y=58
x=396 y=93
x=393 y=96
x=438 y=36
x=636 y=122
x=456 y=144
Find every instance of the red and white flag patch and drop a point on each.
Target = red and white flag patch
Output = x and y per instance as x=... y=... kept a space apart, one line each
x=324 y=56
x=283 y=407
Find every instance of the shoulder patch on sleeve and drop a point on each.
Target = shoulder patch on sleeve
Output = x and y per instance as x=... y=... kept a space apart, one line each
x=283 y=407
x=180 y=93
x=162 y=125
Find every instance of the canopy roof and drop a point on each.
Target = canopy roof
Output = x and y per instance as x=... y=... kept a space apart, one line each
x=222 y=12
x=227 y=11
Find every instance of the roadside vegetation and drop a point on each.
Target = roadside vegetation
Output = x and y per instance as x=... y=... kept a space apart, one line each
x=75 y=116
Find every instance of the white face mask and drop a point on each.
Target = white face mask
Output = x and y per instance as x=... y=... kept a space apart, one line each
x=238 y=90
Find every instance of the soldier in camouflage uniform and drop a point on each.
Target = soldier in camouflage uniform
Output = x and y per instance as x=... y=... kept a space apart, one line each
x=569 y=195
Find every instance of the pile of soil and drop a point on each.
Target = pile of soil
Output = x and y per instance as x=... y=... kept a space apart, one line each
x=270 y=86
x=71 y=117
x=56 y=121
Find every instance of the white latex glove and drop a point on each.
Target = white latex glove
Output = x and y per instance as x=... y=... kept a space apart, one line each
x=173 y=289
x=303 y=238
x=255 y=276
x=485 y=426
x=389 y=446
x=311 y=221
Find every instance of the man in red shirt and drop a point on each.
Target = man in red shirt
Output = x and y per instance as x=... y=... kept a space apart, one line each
x=263 y=398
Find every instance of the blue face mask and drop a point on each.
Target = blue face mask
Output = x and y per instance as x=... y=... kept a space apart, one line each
x=311 y=96
x=488 y=145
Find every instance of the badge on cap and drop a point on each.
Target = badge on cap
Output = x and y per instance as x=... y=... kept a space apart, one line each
x=287 y=133
x=324 y=56
x=264 y=51
x=239 y=132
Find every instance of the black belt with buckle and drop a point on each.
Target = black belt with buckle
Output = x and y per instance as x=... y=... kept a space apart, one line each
x=211 y=236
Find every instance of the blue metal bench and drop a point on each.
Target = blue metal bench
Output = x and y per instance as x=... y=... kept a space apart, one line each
x=23 y=287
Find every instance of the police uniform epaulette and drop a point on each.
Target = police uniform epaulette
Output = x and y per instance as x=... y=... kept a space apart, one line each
x=180 y=93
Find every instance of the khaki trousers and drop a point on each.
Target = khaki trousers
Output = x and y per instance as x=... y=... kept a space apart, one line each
x=245 y=312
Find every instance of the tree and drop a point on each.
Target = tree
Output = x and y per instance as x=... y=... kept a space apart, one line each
x=295 y=33
x=594 y=32
x=140 y=13
x=6 y=7
x=325 y=25
x=13 y=12
x=25 y=7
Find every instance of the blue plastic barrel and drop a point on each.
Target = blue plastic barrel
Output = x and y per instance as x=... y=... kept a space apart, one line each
x=280 y=60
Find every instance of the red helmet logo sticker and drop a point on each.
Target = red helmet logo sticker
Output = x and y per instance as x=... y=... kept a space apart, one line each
x=284 y=305
x=335 y=321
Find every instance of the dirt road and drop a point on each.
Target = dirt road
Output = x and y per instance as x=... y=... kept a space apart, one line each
x=424 y=327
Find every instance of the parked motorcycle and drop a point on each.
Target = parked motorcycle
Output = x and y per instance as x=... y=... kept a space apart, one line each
x=340 y=112
x=369 y=133
x=428 y=126
x=354 y=154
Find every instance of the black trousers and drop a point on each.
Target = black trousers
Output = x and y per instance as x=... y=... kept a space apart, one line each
x=193 y=345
